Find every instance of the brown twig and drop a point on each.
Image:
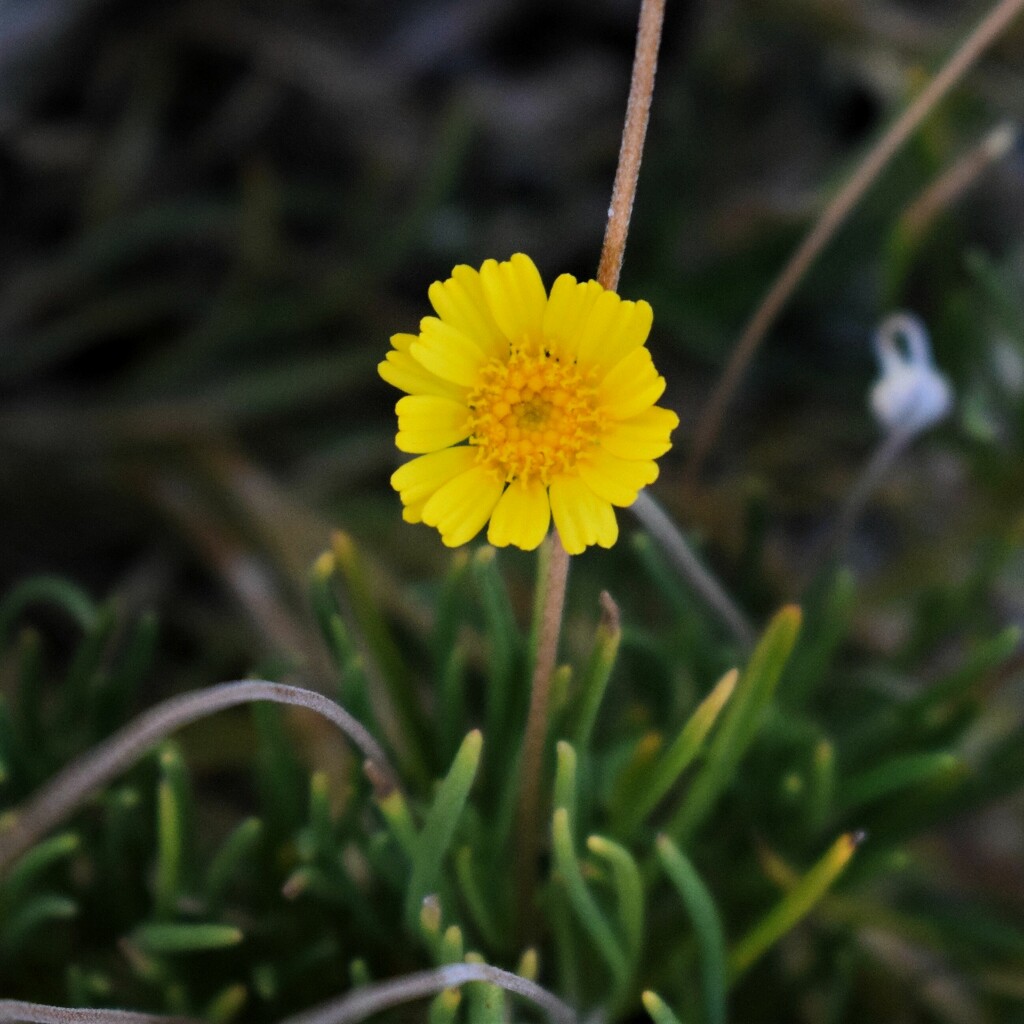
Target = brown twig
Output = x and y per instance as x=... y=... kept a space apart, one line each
x=367 y=1000
x=532 y=762
x=710 y=423
x=12 y=1010
x=638 y=108
x=67 y=790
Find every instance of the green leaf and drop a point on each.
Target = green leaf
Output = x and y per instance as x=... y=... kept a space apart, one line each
x=166 y=938
x=650 y=786
x=740 y=723
x=439 y=828
x=598 y=671
x=658 y=1009
x=793 y=907
x=700 y=905
x=585 y=906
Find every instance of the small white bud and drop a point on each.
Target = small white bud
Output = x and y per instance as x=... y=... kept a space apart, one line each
x=911 y=395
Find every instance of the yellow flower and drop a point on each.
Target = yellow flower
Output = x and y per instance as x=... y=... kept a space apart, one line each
x=524 y=406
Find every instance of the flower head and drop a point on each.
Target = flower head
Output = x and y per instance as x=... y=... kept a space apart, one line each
x=911 y=395
x=524 y=407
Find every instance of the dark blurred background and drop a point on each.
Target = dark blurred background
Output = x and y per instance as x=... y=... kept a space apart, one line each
x=215 y=214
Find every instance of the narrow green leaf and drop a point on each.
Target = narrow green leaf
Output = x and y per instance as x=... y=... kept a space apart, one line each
x=598 y=671
x=228 y=861
x=585 y=906
x=226 y=1005
x=502 y=636
x=565 y=778
x=656 y=782
x=395 y=809
x=828 y=623
x=629 y=891
x=45 y=590
x=740 y=722
x=658 y=1009
x=480 y=907
x=451 y=710
x=394 y=671
x=165 y=938
x=444 y=1007
x=707 y=925
x=33 y=914
x=36 y=861
x=793 y=907
x=172 y=829
x=895 y=775
x=439 y=828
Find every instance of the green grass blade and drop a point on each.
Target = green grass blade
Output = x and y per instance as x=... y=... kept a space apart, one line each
x=707 y=925
x=439 y=828
x=740 y=722
x=793 y=907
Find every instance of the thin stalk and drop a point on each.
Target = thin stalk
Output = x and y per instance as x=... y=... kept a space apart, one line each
x=532 y=762
x=985 y=33
x=638 y=108
x=660 y=526
x=367 y=1000
x=14 y=1011
x=72 y=786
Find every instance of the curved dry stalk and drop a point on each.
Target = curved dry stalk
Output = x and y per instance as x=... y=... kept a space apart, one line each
x=371 y=999
x=14 y=1011
x=69 y=788
x=863 y=177
x=670 y=539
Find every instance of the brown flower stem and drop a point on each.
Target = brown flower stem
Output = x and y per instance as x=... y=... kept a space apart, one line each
x=713 y=415
x=531 y=765
x=638 y=108
x=531 y=768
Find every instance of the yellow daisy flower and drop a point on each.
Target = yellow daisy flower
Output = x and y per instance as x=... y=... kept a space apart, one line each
x=523 y=406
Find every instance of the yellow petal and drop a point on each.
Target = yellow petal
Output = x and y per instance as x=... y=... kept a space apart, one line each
x=521 y=516
x=516 y=296
x=427 y=423
x=614 y=479
x=645 y=436
x=462 y=506
x=460 y=302
x=566 y=313
x=613 y=329
x=631 y=386
x=406 y=374
x=418 y=479
x=581 y=517
x=447 y=352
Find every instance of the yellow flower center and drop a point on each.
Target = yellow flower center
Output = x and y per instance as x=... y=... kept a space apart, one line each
x=532 y=415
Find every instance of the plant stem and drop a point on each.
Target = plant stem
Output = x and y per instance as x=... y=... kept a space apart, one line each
x=63 y=794
x=638 y=107
x=368 y=1000
x=713 y=415
x=12 y=1010
x=532 y=762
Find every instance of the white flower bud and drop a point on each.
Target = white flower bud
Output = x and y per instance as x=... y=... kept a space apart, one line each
x=911 y=394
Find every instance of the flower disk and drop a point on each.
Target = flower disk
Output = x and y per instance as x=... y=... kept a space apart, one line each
x=524 y=407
